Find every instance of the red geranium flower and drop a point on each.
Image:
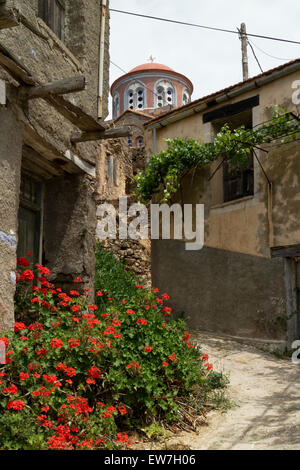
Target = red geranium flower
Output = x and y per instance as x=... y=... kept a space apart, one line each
x=130 y=312
x=23 y=376
x=74 y=343
x=27 y=276
x=20 y=326
x=74 y=292
x=75 y=308
x=56 y=343
x=15 y=405
x=23 y=262
x=43 y=270
x=94 y=372
x=11 y=390
x=90 y=381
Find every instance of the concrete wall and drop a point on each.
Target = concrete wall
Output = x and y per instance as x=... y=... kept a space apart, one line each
x=222 y=291
x=232 y=285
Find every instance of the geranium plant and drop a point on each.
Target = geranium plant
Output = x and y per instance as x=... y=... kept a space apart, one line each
x=79 y=377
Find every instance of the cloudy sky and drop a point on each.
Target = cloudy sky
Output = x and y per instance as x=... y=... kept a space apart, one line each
x=212 y=60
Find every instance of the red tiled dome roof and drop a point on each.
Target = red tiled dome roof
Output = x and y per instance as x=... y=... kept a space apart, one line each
x=151 y=66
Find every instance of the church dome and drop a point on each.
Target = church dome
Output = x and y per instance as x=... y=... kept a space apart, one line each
x=151 y=66
x=150 y=87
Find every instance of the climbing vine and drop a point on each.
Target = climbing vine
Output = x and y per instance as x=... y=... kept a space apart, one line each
x=167 y=168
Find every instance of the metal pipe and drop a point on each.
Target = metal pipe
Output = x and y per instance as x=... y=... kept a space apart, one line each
x=101 y=57
x=154 y=142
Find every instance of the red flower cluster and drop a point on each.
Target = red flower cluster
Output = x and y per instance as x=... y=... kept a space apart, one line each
x=16 y=405
x=23 y=376
x=74 y=343
x=132 y=365
x=94 y=372
x=20 y=326
x=56 y=343
x=27 y=276
x=11 y=390
x=123 y=437
x=23 y=262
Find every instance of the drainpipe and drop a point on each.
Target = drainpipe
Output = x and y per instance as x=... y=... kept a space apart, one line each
x=154 y=141
x=270 y=215
x=101 y=57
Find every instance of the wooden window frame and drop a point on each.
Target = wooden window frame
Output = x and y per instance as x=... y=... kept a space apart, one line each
x=243 y=177
x=47 y=10
x=36 y=206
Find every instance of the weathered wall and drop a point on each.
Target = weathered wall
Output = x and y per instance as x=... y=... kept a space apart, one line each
x=50 y=59
x=135 y=254
x=69 y=204
x=69 y=230
x=11 y=138
x=222 y=291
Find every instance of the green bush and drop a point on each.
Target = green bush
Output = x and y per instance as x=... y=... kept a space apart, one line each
x=78 y=376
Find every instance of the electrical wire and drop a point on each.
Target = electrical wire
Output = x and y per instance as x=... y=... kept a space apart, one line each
x=269 y=55
x=202 y=26
x=255 y=56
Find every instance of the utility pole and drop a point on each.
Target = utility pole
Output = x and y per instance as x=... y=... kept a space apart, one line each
x=243 y=37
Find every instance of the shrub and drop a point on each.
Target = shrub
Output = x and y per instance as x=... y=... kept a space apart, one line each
x=78 y=376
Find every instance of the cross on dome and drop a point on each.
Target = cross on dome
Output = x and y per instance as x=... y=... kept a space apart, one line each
x=151 y=59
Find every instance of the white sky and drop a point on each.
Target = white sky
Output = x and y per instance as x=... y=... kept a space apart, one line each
x=211 y=60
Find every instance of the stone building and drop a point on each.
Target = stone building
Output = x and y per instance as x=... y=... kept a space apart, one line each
x=246 y=280
x=54 y=85
x=144 y=93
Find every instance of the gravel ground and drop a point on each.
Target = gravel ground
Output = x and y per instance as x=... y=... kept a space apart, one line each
x=266 y=391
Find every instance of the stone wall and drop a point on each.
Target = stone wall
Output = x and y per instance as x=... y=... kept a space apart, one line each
x=134 y=253
x=69 y=210
x=69 y=230
x=11 y=137
x=50 y=59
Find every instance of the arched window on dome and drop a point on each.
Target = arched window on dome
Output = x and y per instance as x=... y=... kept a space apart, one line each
x=170 y=96
x=140 y=97
x=164 y=93
x=130 y=96
x=186 y=98
x=116 y=105
x=136 y=96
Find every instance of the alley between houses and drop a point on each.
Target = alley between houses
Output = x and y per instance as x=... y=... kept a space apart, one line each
x=266 y=393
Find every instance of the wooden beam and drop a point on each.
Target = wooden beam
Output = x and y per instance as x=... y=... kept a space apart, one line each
x=40 y=162
x=8 y=17
x=15 y=67
x=59 y=87
x=106 y=134
x=75 y=114
x=288 y=251
x=70 y=111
